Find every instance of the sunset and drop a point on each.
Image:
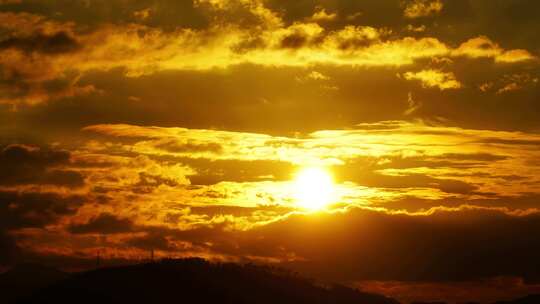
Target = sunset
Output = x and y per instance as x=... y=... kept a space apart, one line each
x=314 y=188
x=270 y=151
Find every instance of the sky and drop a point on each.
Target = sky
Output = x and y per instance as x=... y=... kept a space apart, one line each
x=182 y=127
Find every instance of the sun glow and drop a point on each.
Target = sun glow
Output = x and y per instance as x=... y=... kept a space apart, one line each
x=314 y=188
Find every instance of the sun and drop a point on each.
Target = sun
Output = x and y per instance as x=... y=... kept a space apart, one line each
x=314 y=188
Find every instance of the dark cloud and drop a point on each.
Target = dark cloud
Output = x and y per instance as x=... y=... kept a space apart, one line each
x=25 y=164
x=168 y=99
x=348 y=11
x=510 y=141
x=416 y=180
x=148 y=183
x=512 y=22
x=104 y=223
x=166 y=14
x=445 y=246
x=484 y=157
x=209 y=172
x=152 y=242
x=455 y=245
x=57 y=43
x=509 y=22
x=32 y=156
x=364 y=174
x=178 y=147
x=33 y=209
x=446 y=160
x=212 y=211
x=464 y=244
x=523 y=201
x=349 y=96
x=361 y=244
x=294 y=41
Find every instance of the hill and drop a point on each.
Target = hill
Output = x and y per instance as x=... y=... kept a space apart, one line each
x=25 y=279
x=197 y=281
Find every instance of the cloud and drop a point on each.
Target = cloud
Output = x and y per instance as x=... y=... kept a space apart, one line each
x=148 y=183
x=153 y=242
x=356 y=244
x=57 y=43
x=512 y=56
x=515 y=82
x=412 y=105
x=508 y=88
x=321 y=15
x=413 y=161
x=434 y=78
x=375 y=245
x=30 y=47
x=35 y=209
x=39 y=49
x=419 y=204
x=104 y=223
x=361 y=175
x=25 y=164
x=143 y=13
x=176 y=147
x=422 y=8
x=314 y=75
x=416 y=196
x=483 y=47
x=362 y=244
x=209 y=172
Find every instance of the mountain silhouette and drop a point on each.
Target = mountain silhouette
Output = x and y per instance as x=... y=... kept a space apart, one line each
x=197 y=281
x=25 y=279
x=191 y=280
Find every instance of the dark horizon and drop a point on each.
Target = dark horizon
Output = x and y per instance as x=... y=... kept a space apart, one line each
x=194 y=279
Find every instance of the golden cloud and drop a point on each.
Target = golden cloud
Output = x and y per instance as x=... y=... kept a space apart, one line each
x=322 y=15
x=434 y=78
x=483 y=47
x=32 y=58
x=422 y=8
x=490 y=155
x=512 y=56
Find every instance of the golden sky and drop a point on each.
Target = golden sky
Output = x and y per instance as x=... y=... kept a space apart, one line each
x=391 y=145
